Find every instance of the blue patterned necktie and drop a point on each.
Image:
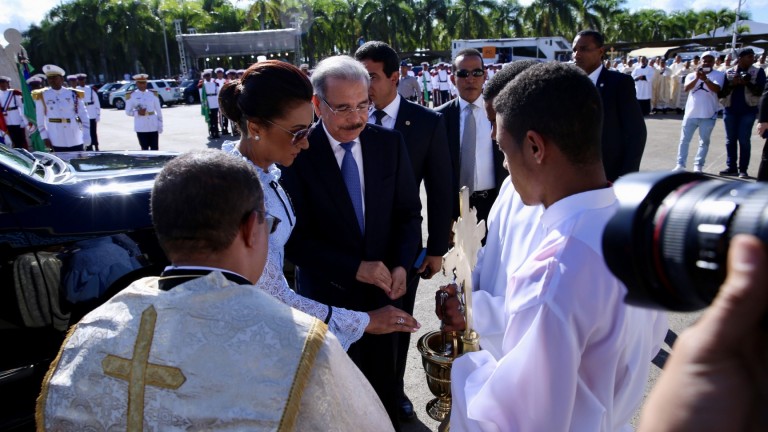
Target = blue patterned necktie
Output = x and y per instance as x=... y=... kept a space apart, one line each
x=351 y=175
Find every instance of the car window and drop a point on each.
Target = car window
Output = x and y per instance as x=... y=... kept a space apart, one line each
x=112 y=161
x=172 y=83
x=20 y=162
x=160 y=84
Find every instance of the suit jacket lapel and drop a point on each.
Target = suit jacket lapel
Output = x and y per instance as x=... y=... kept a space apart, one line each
x=372 y=164
x=404 y=114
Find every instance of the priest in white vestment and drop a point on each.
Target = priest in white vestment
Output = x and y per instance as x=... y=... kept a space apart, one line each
x=201 y=348
x=573 y=356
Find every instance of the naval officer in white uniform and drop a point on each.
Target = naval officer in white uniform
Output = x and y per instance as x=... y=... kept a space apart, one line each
x=144 y=106
x=59 y=112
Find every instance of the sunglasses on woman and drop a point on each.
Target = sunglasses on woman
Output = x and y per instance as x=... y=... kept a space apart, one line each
x=297 y=136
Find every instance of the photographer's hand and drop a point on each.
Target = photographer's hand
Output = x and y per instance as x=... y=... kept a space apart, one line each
x=717 y=376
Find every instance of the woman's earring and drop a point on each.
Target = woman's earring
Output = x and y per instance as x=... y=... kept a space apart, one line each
x=256 y=137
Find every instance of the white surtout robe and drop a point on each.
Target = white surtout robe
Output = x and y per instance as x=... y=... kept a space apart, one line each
x=573 y=356
x=238 y=350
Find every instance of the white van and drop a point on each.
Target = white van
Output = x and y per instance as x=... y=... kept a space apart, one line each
x=545 y=49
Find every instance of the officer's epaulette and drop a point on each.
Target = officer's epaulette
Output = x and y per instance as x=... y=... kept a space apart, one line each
x=17 y=92
x=37 y=94
x=128 y=95
x=79 y=93
x=154 y=92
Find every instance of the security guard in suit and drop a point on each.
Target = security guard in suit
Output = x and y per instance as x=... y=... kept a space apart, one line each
x=144 y=106
x=12 y=108
x=59 y=112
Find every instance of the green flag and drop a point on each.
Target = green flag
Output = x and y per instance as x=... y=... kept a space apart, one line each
x=29 y=112
x=204 y=110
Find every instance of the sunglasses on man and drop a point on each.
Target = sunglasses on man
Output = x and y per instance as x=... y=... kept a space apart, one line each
x=463 y=73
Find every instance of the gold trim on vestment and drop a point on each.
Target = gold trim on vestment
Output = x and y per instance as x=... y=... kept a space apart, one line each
x=40 y=405
x=312 y=345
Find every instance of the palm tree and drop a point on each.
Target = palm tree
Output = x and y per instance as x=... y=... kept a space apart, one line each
x=267 y=12
x=387 y=21
x=551 y=18
x=429 y=17
x=507 y=19
x=467 y=19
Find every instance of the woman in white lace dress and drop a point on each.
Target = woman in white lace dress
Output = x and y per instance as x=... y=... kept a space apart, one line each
x=272 y=105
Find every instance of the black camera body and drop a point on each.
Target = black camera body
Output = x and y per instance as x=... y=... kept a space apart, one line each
x=745 y=76
x=668 y=242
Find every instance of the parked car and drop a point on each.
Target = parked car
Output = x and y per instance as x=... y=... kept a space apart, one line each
x=191 y=91
x=75 y=228
x=168 y=91
x=106 y=89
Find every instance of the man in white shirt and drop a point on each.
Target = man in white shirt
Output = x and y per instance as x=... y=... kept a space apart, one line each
x=92 y=108
x=144 y=106
x=201 y=347
x=475 y=159
x=574 y=356
x=12 y=110
x=701 y=110
x=59 y=112
x=209 y=93
x=643 y=76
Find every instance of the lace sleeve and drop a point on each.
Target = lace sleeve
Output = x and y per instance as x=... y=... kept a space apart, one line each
x=348 y=326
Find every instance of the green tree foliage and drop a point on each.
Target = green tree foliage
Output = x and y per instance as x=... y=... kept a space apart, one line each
x=114 y=37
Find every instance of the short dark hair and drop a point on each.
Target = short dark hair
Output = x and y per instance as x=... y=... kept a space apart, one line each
x=466 y=52
x=379 y=52
x=266 y=91
x=558 y=101
x=496 y=84
x=594 y=34
x=200 y=199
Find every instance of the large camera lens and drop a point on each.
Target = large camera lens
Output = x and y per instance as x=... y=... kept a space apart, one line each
x=668 y=242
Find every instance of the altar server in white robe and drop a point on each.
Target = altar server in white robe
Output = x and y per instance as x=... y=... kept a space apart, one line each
x=201 y=348
x=574 y=357
x=510 y=232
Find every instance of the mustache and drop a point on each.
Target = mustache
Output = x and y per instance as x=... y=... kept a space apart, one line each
x=353 y=126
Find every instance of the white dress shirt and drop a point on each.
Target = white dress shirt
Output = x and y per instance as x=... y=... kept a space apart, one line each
x=484 y=170
x=574 y=356
x=392 y=109
x=357 y=153
x=152 y=120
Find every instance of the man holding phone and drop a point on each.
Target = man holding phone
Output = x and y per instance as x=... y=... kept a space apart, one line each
x=703 y=86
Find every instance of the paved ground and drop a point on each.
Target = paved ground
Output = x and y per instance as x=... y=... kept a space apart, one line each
x=185 y=130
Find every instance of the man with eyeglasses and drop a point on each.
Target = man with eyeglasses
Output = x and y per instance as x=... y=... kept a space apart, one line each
x=358 y=214
x=475 y=159
x=624 y=132
x=201 y=341
x=424 y=134
x=701 y=109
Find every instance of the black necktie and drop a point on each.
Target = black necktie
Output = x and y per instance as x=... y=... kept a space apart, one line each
x=379 y=116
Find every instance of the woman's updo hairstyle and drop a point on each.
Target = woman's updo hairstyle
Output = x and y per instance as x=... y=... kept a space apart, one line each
x=266 y=91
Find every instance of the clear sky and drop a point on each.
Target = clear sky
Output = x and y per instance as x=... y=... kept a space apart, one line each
x=21 y=13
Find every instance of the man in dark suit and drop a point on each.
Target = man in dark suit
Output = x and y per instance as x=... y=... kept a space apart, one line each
x=424 y=134
x=624 y=131
x=483 y=169
x=358 y=214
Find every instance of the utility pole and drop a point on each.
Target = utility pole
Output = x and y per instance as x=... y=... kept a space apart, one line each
x=297 y=26
x=165 y=44
x=735 y=28
x=182 y=52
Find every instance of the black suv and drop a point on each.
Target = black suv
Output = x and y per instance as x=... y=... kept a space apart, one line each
x=75 y=228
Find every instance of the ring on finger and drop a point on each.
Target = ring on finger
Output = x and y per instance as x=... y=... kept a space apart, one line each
x=400 y=321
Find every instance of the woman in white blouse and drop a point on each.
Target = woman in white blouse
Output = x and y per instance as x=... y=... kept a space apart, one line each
x=271 y=103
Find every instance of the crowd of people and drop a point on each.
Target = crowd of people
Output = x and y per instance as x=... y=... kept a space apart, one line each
x=326 y=174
